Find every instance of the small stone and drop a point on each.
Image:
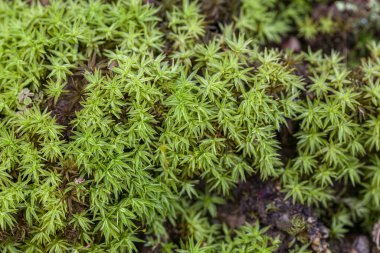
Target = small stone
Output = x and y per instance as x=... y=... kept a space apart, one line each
x=283 y=222
x=325 y=232
x=361 y=244
x=79 y=180
x=292 y=44
x=311 y=220
x=376 y=234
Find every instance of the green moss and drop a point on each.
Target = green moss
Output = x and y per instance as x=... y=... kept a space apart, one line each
x=143 y=143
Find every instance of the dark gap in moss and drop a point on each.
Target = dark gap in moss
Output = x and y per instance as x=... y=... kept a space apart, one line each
x=288 y=141
x=69 y=102
x=263 y=201
x=219 y=12
x=18 y=232
x=348 y=29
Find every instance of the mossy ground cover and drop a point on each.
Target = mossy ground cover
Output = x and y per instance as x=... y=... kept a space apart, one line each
x=183 y=126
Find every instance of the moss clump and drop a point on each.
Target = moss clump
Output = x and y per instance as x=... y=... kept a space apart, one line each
x=119 y=130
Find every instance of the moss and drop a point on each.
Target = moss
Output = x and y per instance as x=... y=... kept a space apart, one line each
x=118 y=130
